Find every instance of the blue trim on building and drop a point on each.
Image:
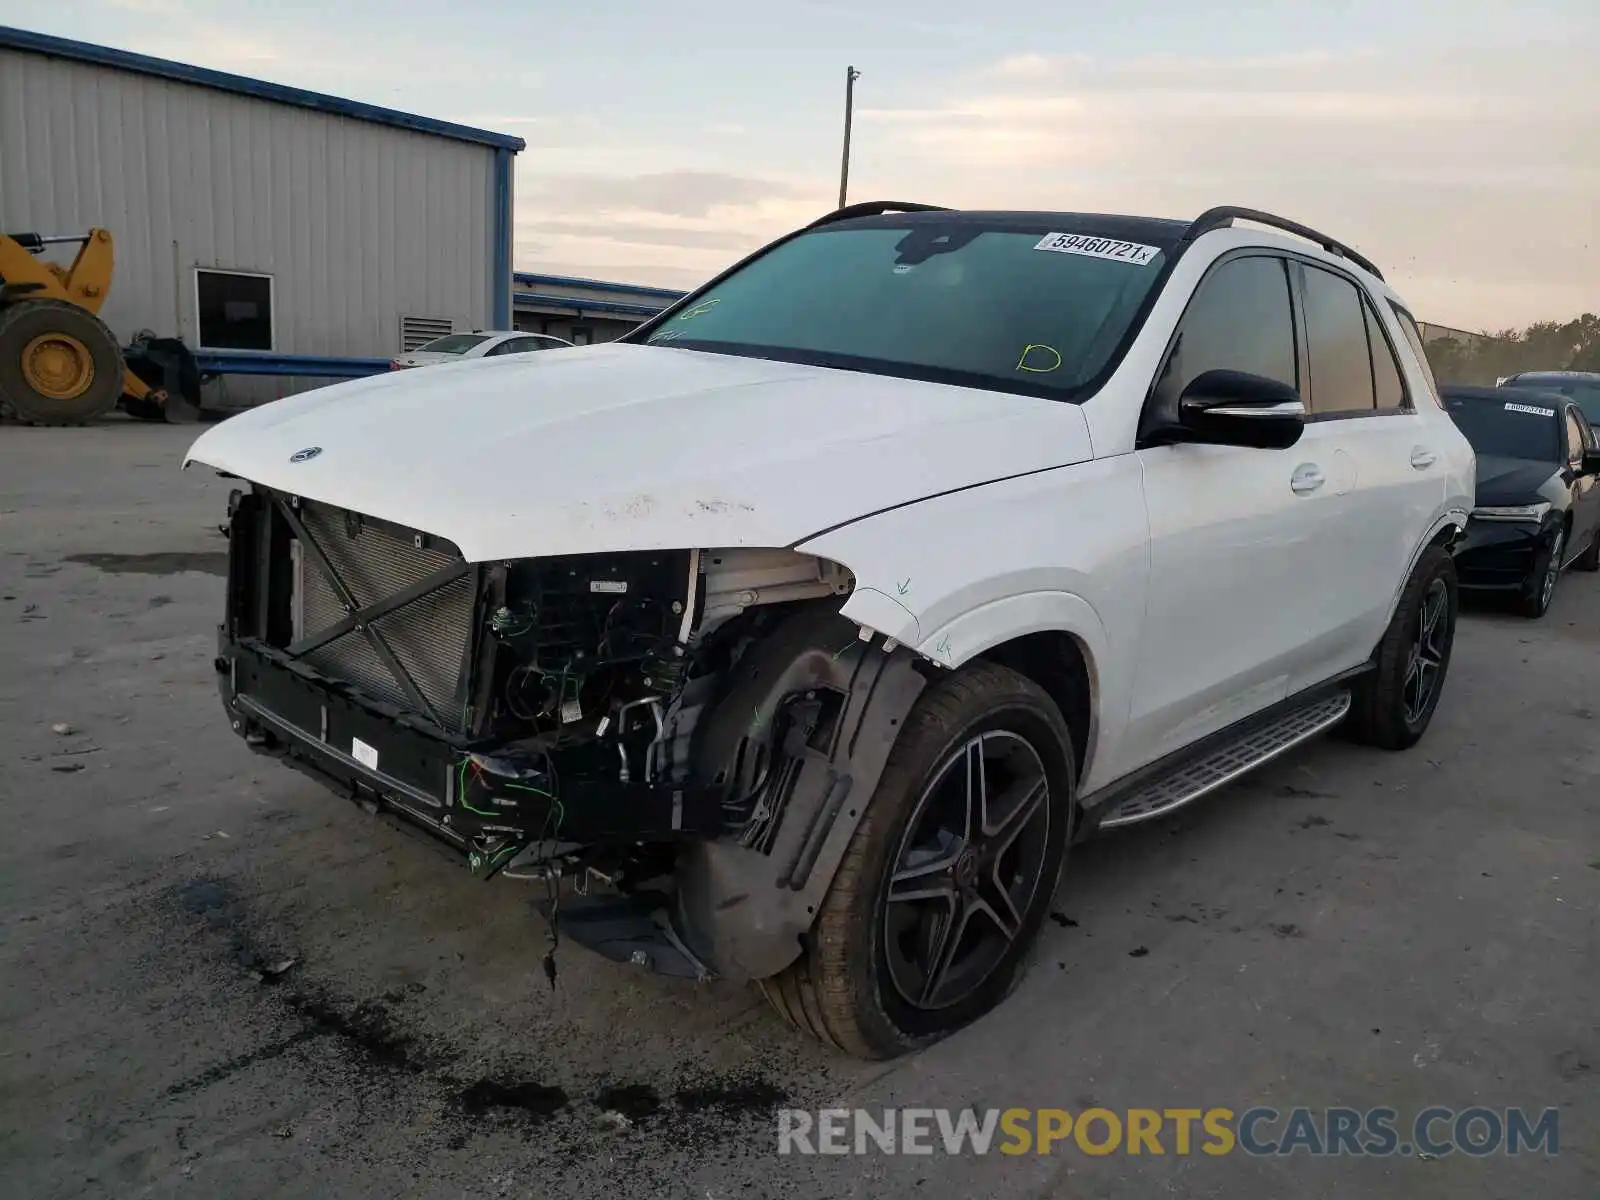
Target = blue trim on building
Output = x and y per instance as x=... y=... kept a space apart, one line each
x=244 y=362
x=581 y=305
x=599 y=285
x=500 y=271
x=22 y=39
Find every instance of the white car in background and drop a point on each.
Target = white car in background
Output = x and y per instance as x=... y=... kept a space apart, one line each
x=480 y=343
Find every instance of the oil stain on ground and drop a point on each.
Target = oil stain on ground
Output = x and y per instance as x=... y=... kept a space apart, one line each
x=699 y=1113
x=207 y=562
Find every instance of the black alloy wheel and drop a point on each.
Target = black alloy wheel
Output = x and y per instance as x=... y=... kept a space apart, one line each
x=968 y=867
x=1428 y=651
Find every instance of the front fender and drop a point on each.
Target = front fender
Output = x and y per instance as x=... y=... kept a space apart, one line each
x=1061 y=551
x=986 y=626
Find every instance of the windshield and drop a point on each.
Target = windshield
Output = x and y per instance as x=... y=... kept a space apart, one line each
x=1510 y=428
x=451 y=343
x=958 y=302
x=1585 y=392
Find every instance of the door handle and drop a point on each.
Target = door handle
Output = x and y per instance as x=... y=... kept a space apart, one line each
x=1422 y=458
x=1307 y=477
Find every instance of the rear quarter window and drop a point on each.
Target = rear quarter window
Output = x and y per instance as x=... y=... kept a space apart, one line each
x=1408 y=326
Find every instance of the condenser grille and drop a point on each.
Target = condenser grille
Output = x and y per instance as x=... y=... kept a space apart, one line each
x=429 y=637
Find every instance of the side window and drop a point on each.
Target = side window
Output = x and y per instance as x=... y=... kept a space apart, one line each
x=513 y=346
x=1576 y=442
x=1336 y=344
x=1387 y=380
x=1239 y=320
x=1408 y=326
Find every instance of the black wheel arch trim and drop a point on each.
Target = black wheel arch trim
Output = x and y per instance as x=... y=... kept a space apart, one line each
x=743 y=911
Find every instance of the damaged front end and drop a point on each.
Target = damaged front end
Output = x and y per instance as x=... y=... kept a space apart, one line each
x=690 y=735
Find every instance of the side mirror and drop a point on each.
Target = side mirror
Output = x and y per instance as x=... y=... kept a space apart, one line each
x=1235 y=408
x=1591 y=463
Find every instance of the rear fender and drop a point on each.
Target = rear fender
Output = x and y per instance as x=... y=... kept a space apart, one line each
x=1446 y=528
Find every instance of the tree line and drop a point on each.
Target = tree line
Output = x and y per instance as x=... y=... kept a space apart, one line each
x=1543 y=346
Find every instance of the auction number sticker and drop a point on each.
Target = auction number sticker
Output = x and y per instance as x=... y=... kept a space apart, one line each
x=1098 y=247
x=364 y=754
x=1531 y=408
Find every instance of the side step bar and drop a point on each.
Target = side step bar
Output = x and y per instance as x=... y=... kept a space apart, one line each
x=1227 y=762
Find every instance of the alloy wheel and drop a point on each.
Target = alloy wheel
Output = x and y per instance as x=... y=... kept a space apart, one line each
x=1426 y=661
x=967 y=869
x=1553 y=570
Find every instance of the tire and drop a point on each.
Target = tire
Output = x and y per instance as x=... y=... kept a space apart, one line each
x=848 y=988
x=1385 y=712
x=1589 y=560
x=1534 y=599
x=75 y=379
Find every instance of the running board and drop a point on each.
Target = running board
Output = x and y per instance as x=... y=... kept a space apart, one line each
x=1228 y=762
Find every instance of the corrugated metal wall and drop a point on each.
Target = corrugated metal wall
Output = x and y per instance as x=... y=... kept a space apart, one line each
x=359 y=224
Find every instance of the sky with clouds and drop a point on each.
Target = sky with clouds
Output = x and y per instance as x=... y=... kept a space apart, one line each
x=1457 y=142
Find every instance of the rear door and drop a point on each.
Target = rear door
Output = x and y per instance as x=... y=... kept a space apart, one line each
x=1394 y=474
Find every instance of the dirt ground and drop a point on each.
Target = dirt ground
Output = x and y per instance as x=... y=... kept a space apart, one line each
x=1345 y=928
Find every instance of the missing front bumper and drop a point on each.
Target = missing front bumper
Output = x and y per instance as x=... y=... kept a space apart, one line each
x=459 y=792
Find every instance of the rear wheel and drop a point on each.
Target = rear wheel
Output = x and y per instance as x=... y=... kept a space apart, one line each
x=946 y=881
x=1393 y=705
x=59 y=364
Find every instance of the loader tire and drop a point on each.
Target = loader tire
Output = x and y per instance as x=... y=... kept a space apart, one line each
x=59 y=364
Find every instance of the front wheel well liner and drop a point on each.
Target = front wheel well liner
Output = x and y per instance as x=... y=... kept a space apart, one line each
x=1055 y=660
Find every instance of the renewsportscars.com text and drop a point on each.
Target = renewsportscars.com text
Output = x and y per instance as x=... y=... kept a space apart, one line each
x=1433 y=1132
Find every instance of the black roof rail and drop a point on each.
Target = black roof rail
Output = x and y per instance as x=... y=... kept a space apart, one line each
x=1225 y=215
x=874 y=208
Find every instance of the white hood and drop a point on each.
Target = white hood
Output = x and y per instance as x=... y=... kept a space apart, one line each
x=627 y=447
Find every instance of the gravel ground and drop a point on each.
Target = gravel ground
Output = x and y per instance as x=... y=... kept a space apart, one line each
x=1345 y=928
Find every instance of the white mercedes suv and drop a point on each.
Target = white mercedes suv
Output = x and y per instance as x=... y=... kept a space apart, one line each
x=810 y=625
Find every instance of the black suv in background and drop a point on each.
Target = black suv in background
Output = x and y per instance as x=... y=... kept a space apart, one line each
x=1537 y=508
x=1582 y=387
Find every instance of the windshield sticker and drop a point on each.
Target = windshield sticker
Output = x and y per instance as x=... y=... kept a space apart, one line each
x=1031 y=361
x=1531 y=408
x=1098 y=247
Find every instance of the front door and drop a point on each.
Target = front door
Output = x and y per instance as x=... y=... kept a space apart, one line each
x=1238 y=536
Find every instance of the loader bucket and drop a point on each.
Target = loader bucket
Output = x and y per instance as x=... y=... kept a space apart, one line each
x=166 y=366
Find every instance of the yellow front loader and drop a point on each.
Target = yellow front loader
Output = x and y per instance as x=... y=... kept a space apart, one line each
x=59 y=363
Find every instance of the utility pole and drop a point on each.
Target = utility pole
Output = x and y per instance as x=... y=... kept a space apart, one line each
x=850 y=77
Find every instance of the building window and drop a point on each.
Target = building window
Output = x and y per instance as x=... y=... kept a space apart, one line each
x=416 y=331
x=234 y=310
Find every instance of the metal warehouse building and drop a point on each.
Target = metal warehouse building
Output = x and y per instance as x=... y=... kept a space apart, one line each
x=583 y=310
x=267 y=226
